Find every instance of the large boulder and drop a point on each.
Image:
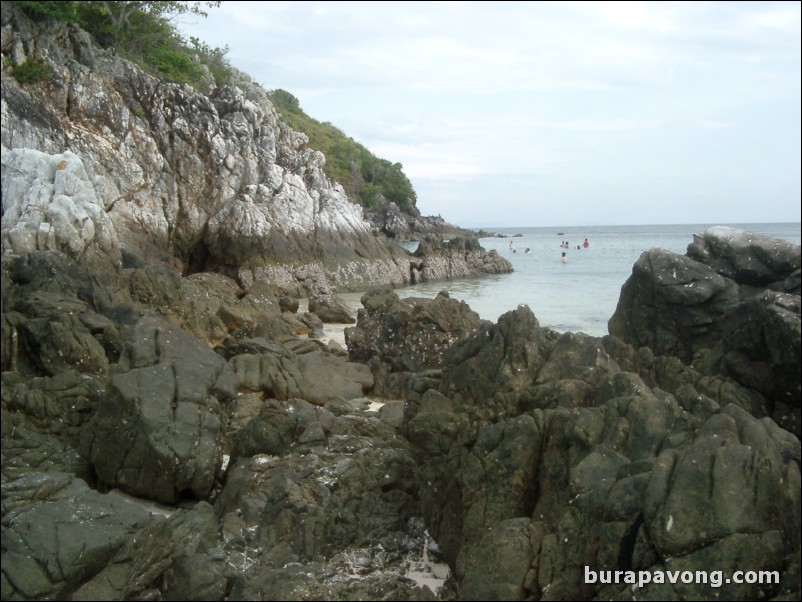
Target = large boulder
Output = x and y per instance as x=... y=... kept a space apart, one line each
x=673 y=304
x=730 y=307
x=491 y=370
x=396 y=336
x=677 y=304
x=64 y=540
x=760 y=349
x=749 y=258
x=316 y=376
x=543 y=457
x=158 y=432
x=357 y=481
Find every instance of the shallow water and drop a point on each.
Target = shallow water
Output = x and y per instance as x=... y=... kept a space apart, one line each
x=578 y=296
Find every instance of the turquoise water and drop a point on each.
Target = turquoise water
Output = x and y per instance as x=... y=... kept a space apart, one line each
x=578 y=296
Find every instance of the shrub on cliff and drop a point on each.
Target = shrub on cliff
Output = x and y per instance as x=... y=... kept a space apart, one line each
x=142 y=32
x=31 y=72
x=363 y=175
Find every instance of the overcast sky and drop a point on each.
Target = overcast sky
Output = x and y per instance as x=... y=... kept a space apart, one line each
x=548 y=114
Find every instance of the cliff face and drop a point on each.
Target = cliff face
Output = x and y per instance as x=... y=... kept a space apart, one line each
x=103 y=162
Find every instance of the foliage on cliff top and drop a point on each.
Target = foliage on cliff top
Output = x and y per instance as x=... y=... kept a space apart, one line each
x=142 y=32
x=363 y=175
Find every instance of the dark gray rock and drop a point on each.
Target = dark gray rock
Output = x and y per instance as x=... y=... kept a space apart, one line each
x=673 y=304
x=156 y=286
x=327 y=376
x=198 y=562
x=541 y=455
x=158 y=432
x=78 y=543
x=409 y=335
x=357 y=488
x=55 y=335
x=761 y=350
x=492 y=370
x=276 y=373
x=282 y=426
x=331 y=310
x=730 y=308
x=747 y=257
x=60 y=405
x=58 y=317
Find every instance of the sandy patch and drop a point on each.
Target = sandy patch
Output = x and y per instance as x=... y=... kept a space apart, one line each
x=336 y=332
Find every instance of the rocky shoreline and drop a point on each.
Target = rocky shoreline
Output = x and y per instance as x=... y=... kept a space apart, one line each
x=174 y=427
x=513 y=454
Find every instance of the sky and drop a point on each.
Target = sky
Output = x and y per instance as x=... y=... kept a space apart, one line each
x=548 y=113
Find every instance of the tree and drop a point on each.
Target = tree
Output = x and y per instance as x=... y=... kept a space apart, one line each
x=284 y=100
x=120 y=12
x=141 y=31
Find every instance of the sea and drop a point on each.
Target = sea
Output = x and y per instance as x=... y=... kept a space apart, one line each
x=582 y=294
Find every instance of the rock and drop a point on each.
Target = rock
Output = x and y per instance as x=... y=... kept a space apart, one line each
x=494 y=577
x=328 y=376
x=78 y=542
x=455 y=258
x=281 y=426
x=54 y=272
x=392 y=413
x=54 y=334
x=275 y=373
x=672 y=304
x=198 y=568
x=156 y=286
x=214 y=306
x=407 y=335
x=50 y=204
x=355 y=489
x=543 y=456
x=331 y=311
x=60 y=405
x=158 y=432
x=677 y=305
x=492 y=369
x=747 y=257
x=410 y=225
x=58 y=318
x=717 y=308
x=761 y=350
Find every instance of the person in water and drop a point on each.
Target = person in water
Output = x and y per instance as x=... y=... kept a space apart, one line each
x=564 y=258
x=586 y=244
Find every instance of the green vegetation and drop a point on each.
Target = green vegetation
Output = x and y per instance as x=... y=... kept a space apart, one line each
x=142 y=32
x=31 y=72
x=363 y=175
